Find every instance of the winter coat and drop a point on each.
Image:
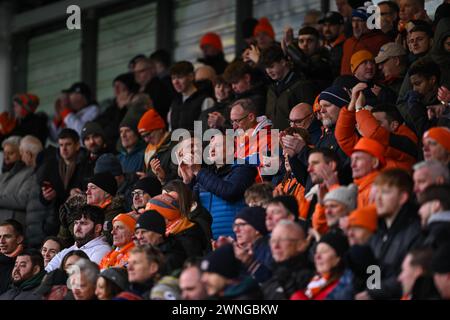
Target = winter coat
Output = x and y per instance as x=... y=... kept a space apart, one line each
x=437 y=230
x=316 y=68
x=34 y=124
x=336 y=49
x=184 y=113
x=193 y=241
x=25 y=290
x=371 y=41
x=288 y=276
x=217 y=62
x=132 y=161
x=401 y=145
x=364 y=189
x=390 y=246
x=6 y=267
x=174 y=254
x=221 y=192
x=285 y=94
x=15 y=192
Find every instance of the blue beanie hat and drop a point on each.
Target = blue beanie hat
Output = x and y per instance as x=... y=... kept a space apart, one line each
x=361 y=13
x=108 y=163
x=335 y=95
x=254 y=216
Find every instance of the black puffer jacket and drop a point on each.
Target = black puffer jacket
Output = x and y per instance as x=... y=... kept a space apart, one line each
x=6 y=267
x=437 y=231
x=288 y=277
x=390 y=246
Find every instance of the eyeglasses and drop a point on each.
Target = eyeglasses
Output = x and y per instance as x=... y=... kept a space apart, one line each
x=137 y=193
x=296 y=122
x=239 y=120
x=274 y=241
x=239 y=225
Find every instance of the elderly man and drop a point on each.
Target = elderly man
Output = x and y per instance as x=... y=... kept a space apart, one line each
x=151 y=229
x=291 y=272
x=436 y=145
x=123 y=231
x=427 y=173
x=26 y=276
x=143 y=190
x=87 y=231
x=101 y=192
x=83 y=279
x=11 y=152
x=392 y=61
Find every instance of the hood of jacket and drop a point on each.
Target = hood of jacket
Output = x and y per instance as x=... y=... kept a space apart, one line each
x=438 y=53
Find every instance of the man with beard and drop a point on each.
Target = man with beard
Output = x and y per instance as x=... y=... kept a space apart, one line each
x=334 y=37
x=26 y=275
x=87 y=232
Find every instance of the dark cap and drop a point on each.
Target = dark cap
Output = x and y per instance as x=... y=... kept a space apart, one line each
x=118 y=276
x=82 y=88
x=106 y=182
x=332 y=17
x=149 y=185
x=222 y=261
x=92 y=128
x=151 y=220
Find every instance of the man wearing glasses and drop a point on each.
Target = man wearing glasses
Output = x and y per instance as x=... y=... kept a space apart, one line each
x=302 y=116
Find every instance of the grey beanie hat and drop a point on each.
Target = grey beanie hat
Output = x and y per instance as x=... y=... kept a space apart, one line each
x=118 y=276
x=344 y=194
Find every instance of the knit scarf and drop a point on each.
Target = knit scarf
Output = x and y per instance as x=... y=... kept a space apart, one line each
x=16 y=252
x=105 y=203
x=116 y=258
x=317 y=284
x=66 y=171
x=177 y=226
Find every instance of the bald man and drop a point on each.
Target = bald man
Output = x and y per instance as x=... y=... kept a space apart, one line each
x=302 y=116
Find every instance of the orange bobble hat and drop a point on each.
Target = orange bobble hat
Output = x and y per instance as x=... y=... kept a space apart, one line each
x=126 y=219
x=264 y=26
x=441 y=135
x=365 y=217
x=372 y=147
x=359 y=57
x=166 y=206
x=151 y=120
x=213 y=39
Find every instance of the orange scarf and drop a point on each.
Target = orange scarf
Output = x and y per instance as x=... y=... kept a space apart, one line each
x=151 y=150
x=179 y=225
x=117 y=258
x=16 y=252
x=317 y=284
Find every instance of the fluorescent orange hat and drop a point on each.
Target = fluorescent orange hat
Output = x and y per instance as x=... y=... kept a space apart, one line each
x=372 y=147
x=213 y=39
x=151 y=120
x=365 y=217
x=441 y=135
x=359 y=57
x=264 y=26
x=126 y=219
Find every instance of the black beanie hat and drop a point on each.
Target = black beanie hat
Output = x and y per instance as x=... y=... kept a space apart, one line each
x=150 y=185
x=440 y=263
x=108 y=162
x=106 y=182
x=151 y=220
x=92 y=127
x=222 y=261
x=289 y=202
x=130 y=121
x=254 y=216
x=337 y=240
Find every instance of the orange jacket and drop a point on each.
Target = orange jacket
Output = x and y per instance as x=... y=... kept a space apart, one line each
x=364 y=187
x=117 y=258
x=371 y=41
x=400 y=145
x=319 y=219
x=292 y=187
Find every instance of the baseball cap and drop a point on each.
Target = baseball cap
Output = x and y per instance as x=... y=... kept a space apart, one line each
x=389 y=50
